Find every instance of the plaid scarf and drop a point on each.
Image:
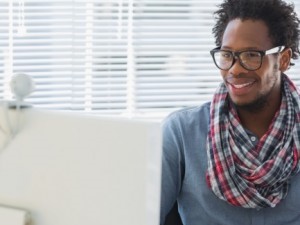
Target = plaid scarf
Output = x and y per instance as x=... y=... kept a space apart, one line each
x=248 y=175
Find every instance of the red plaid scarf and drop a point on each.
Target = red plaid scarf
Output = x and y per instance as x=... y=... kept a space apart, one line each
x=248 y=175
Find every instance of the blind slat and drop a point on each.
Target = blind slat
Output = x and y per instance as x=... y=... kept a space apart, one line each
x=101 y=57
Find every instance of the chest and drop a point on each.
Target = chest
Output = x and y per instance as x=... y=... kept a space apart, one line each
x=196 y=192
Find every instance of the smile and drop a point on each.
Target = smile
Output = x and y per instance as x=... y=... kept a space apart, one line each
x=239 y=86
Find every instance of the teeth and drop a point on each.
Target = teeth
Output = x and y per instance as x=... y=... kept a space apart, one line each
x=241 y=85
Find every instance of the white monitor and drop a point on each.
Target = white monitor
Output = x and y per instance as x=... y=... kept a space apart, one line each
x=70 y=169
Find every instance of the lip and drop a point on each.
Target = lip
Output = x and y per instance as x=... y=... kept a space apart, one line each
x=240 y=87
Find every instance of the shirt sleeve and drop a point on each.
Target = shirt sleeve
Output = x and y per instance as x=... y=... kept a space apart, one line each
x=172 y=165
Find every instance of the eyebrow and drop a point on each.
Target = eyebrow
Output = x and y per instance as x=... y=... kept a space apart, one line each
x=239 y=50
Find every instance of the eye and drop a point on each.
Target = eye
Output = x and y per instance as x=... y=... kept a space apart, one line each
x=251 y=55
x=225 y=55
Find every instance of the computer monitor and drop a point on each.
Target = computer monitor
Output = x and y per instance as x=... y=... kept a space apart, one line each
x=71 y=169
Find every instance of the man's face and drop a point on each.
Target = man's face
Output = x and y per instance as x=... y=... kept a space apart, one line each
x=246 y=88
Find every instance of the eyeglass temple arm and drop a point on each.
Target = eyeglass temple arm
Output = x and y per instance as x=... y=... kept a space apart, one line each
x=275 y=50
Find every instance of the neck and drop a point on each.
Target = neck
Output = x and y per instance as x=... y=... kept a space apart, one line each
x=259 y=120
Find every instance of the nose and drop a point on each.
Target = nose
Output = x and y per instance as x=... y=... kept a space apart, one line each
x=237 y=68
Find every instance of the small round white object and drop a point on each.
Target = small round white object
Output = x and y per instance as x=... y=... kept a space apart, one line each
x=253 y=138
x=21 y=86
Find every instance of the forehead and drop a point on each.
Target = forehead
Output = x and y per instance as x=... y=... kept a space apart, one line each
x=244 y=34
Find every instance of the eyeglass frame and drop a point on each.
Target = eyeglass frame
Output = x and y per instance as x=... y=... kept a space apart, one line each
x=236 y=55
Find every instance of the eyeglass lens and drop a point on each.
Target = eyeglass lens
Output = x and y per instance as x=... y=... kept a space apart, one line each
x=250 y=60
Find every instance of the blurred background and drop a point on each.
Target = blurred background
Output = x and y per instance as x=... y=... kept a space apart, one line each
x=133 y=58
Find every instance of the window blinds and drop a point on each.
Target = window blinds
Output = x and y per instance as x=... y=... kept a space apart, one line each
x=141 y=58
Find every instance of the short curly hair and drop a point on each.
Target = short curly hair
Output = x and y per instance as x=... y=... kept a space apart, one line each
x=279 y=16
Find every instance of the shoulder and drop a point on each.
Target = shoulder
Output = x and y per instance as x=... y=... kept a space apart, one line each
x=188 y=122
x=189 y=116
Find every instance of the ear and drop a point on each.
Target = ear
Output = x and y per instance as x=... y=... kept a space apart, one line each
x=285 y=59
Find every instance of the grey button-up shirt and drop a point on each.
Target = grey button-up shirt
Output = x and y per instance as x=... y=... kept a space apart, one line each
x=183 y=179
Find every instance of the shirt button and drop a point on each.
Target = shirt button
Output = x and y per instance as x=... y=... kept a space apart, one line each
x=253 y=138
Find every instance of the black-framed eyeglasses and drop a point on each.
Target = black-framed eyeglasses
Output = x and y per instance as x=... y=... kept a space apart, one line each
x=248 y=59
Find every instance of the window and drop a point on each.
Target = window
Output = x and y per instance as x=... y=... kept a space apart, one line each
x=141 y=58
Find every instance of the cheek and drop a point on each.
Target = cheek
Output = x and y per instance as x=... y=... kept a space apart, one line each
x=270 y=80
x=270 y=66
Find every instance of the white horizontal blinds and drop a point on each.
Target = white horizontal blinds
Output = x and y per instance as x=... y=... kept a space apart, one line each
x=125 y=57
x=5 y=48
x=100 y=56
x=42 y=48
x=172 y=40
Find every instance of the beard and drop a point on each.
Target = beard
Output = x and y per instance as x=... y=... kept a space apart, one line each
x=255 y=106
x=262 y=100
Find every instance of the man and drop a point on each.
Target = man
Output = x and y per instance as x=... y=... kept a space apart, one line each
x=235 y=160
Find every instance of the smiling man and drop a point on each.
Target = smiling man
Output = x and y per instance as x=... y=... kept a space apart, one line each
x=235 y=160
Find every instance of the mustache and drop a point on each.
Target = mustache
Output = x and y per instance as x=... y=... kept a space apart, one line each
x=240 y=77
